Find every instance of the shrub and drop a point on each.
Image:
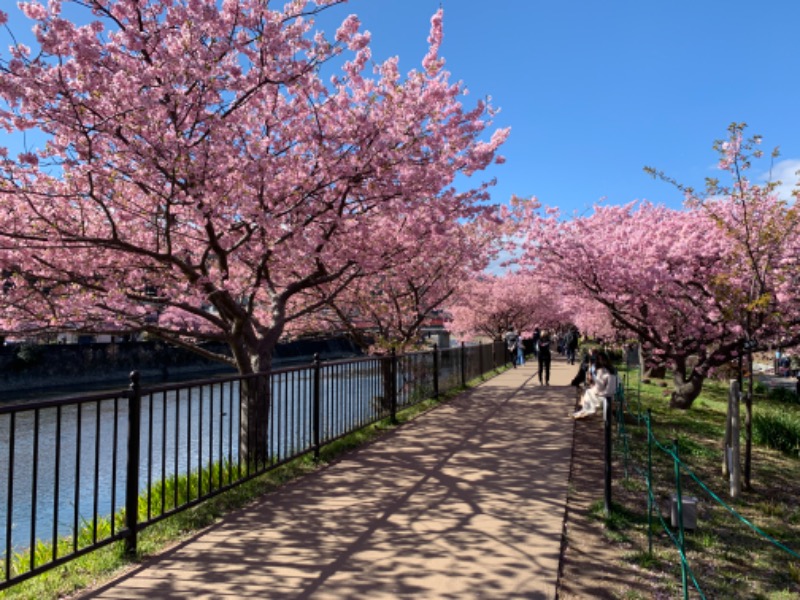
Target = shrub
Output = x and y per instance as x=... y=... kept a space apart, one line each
x=777 y=430
x=783 y=394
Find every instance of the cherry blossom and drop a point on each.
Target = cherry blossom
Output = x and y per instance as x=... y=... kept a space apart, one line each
x=692 y=284
x=204 y=178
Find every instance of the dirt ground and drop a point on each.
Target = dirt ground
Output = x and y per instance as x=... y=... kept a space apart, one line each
x=592 y=566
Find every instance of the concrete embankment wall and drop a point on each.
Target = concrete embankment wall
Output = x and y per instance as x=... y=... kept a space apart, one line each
x=28 y=369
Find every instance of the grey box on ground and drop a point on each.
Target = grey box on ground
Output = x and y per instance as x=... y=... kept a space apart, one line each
x=688 y=510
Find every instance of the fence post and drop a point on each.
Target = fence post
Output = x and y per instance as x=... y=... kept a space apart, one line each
x=649 y=482
x=679 y=508
x=393 y=388
x=622 y=433
x=463 y=366
x=607 y=412
x=132 y=468
x=480 y=360
x=317 y=405
x=436 y=371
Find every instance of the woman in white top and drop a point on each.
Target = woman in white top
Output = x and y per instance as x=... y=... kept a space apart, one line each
x=593 y=396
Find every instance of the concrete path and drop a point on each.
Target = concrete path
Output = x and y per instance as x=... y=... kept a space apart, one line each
x=467 y=501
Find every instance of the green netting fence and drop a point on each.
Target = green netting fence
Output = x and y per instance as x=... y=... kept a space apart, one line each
x=673 y=491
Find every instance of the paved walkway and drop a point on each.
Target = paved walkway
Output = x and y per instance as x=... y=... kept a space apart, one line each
x=467 y=501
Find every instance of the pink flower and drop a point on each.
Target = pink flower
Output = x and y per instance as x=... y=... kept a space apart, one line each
x=28 y=158
x=347 y=29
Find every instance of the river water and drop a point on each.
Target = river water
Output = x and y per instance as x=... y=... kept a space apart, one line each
x=75 y=467
x=52 y=484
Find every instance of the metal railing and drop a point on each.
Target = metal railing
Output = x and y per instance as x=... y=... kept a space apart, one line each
x=77 y=474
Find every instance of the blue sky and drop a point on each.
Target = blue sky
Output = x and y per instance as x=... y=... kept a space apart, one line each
x=595 y=90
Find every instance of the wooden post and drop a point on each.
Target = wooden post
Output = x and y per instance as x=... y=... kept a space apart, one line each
x=726 y=442
x=732 y=449
x=607 y=412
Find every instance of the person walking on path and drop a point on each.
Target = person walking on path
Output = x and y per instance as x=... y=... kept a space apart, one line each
x=544 y=357
x=536 y=335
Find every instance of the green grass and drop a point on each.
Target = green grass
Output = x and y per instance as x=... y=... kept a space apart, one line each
x=103 y=563
x=728 y=559
x=778 y=394
x=778 y=429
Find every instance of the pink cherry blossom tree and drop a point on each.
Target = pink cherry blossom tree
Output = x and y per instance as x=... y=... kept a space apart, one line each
x=200 y=179
x=654 y=283
x=591 y=318
x=387 y=310
x=762 y=229
x=678 y=279
x=761 y=282
x=489 y=305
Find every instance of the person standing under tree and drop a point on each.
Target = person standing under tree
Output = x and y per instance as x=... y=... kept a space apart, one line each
x=520 y=351
x=512 y=343
x=571 y=345
x=543 y=354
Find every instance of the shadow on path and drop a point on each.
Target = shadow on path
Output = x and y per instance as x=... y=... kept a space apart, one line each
x=466 y=501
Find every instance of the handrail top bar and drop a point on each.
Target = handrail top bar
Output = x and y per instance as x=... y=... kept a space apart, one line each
x=23 y=405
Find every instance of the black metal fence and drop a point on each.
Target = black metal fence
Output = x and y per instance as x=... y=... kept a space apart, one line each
x=77 y=474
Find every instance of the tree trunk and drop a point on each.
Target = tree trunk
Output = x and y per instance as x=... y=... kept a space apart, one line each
x=655 y=371
x=687 y=386
x=255 y=403
x=650 y=367
x=254 y=419
x=748 y=438
x=389 y=383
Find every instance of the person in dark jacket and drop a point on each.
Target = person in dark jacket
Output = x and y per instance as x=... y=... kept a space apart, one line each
x=536 y=335
x=543 y=354
x=512 y=343
x=571 y=345
x=580 y=376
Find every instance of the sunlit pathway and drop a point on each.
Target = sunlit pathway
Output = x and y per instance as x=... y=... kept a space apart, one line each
x=466 y=501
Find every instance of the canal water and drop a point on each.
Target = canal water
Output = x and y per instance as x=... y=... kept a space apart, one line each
x=75 y=467
x=51 y=484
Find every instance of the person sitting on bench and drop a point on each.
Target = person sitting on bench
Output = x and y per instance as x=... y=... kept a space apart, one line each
x=594 y=395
